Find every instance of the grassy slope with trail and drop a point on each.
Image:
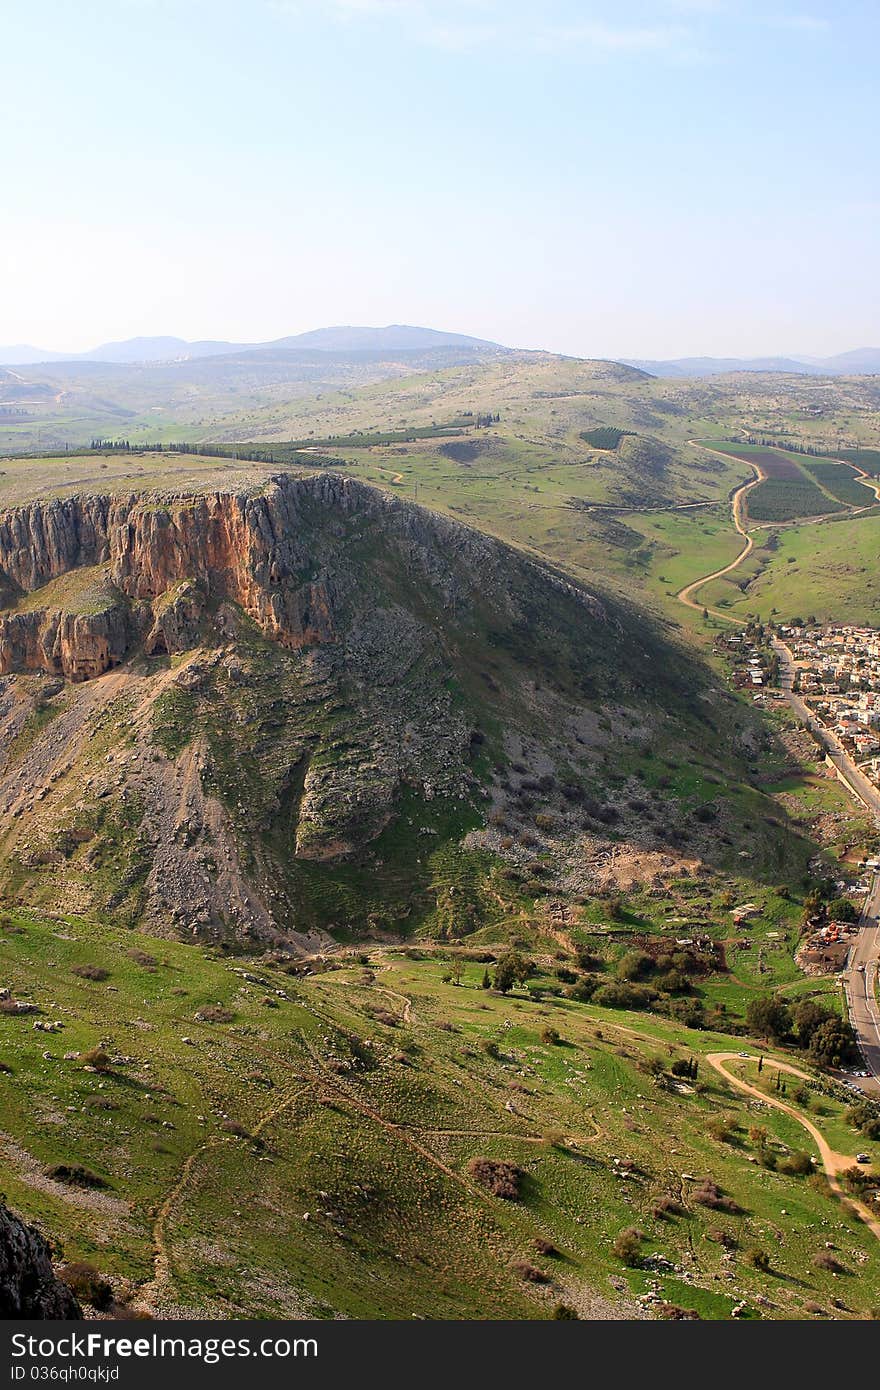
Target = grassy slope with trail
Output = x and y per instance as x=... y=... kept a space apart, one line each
x=367 y=1093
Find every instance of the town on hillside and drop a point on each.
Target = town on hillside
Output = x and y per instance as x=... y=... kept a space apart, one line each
x=836 y=674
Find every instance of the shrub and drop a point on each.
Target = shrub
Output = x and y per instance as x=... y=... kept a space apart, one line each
x=234 y=1128
x=142 y=958
x=627 y=1247
x=546 y=1248
x=721 y=1129
x=563 y=1311
x=825 y=1260
x=550 y=1036
x=75 y=1175
x=797 y=1164
x=584 y=990
x=709 y=1194
x=529 y=1272
x=499 y=1178
x=620 y=995
x=215 y=1013
x=87 y=1284
x=855 y=1179
x=90 y=972
x=634 y=965
x=588 y=960
x=672 y=1312
x=97 y=1058
x=666 y=1207
x=759 y=1259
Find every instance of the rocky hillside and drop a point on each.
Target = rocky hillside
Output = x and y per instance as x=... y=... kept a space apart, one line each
x=299 y=708
x=29 y=1287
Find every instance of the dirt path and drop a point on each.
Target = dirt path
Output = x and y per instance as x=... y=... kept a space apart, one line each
x=402 y=999
x=833 y=1162
x=686 y=595
x=150 y=1294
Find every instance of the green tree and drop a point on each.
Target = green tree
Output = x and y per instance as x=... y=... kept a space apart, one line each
x=833 y=1042
x=512 y=969
x=768 y=1017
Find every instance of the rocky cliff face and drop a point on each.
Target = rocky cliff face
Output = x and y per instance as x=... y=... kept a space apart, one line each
x=29 y=1287
x=255 y=549
x=77 y=645
x=345 y=665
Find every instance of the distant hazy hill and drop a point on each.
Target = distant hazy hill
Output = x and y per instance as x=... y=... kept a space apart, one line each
x=861 y=361
x=396 y=337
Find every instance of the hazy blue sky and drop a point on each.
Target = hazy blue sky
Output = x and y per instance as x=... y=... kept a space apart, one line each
x=601 y=177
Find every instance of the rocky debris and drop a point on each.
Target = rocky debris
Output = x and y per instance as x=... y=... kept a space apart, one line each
x=29 y=1287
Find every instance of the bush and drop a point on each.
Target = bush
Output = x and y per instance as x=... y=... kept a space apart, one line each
x=666 y=1207
x=671 y=1312
x=546 y=1248
x=825 y=1260
x=634 y=965
x=588 y=960
x=234 y=1128
x=142 y=958
x=499 y=1178
x=97 y=1058
x=584 y=990
x=709 y=1194
x=759 y=1259
x=75 y=1175
x=90 y=972
x=215 y=1013
x=564 y=1311
x=797 y=1164
x=87 y=1284
x=721 y=1128
x=620 y=995
x=550 y=1036
x=627 y=1247
x=529 y=1272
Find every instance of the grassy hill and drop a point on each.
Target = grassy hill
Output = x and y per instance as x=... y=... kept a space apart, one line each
x=261 y=1143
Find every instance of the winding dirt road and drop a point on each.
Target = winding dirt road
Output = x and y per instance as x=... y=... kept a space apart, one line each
x=737 y=501
x=834 y=1163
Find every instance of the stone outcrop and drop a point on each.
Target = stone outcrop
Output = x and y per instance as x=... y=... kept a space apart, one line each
x=79 y=646
x=170 y=559
x=29 y=1287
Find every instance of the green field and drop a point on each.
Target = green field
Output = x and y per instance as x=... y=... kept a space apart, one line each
x=831 y=570
x=840 y=481
x=783 y=499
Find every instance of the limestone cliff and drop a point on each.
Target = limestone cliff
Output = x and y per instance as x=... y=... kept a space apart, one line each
x=343 y=664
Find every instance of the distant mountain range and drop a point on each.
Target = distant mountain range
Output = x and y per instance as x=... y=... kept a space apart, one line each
x=859 y=362
x=397 y=337
x=401 y=337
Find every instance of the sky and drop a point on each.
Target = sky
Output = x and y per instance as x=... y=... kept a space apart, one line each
x=630 y=178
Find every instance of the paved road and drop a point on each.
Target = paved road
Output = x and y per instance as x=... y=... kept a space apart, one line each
x=858 y=783
x=860 y=984
x=860 y=972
